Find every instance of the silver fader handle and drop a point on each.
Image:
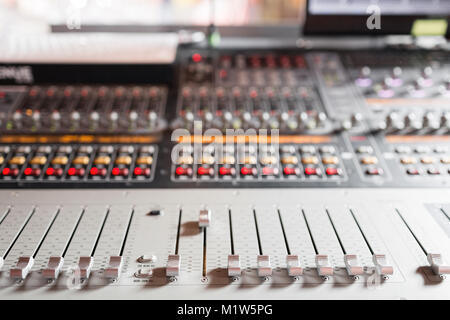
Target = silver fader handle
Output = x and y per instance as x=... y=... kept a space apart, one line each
x=23 y=267
x=352 y=265
x=53 y=269
x=85 y=265
x=204 y=219
x=234 y=265
x=438 y=264
x=264 y=267
x=323 y=266
x=173 y=265
x=293 y=266
x=382 y=266
x=114 y=267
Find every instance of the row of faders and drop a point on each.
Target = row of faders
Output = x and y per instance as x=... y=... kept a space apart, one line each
x=82 y=163
x=250 y=163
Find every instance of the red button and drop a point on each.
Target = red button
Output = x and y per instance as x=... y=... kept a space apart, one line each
x=202 y=171
x=138 y=171
x=223 y=171
x=245 y=171
x=76 y=172
x=374 y=172
x=10 y=172
x=32 y=172
x=119 y=172
x=180 y=171
x=269 y=171
x=412 y=172
x=332 y=171
x=98 y=171
x=309 y=171
x=289 y=171
x=54 y=172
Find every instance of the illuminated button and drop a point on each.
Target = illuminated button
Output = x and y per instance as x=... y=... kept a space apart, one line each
x=4 y=149
x=126 y=149
x=422 y=149
x=44 y=149
x=289 y=160
x=249 y=160
x=433 y=171
x=10 y=172
x=228 y=160
x=412 y=172
x=203 y=171
x=288 y=149
x=331 y=171
x=24 y=149
x=310 y=160
x=180 y=171
x=440 y=149
x=246 y=171
x=65 y=149
x=185 y=160
x=224 y=171
x=147 y=149
x=81 y=160
x=76 y=172
x=310 y=171
x=124 y=160
x=119 y=172
x=268 y=160
x=97 y=171
x=330 y=160
x=60 y=160
x=269 y=171
x=141 y=171
x=39 y=160
x=32 y=172
x=1 y=160
x=85 y=149
x=328 y=149
x=106 y=149
x=102 y=160
x=144 y=160
x=408 y=160
x=208 y=160
x=444 y=160
x=289 y=171
x=308 y=149
x=374 y=171
x=364 y=149
x=369 y=160
x=403 y=149
x=18 y=160
x=57 y=172
x=427 y=160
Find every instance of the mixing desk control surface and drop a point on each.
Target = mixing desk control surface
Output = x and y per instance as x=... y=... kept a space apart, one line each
x=285 y=174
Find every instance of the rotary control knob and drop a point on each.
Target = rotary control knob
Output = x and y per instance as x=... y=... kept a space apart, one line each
x=425 y=79
x=394 y=79
x=356 y=119
x=445 y=120
x=364 y=79
x=36 y=117
x=321 y=119
x=75 y=118
x=393 y=122
x=55 y=118
x=152 y=119
x=430 y=121
x=413 y=122
x=114 y=118
x=94 y=118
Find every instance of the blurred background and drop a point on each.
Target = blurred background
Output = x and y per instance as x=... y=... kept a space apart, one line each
x=19 y=14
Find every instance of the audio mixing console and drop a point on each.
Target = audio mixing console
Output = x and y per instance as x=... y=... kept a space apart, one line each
x=276 y=174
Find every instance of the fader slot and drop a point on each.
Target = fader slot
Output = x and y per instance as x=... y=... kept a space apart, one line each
x=32 y=234
x=432 y=255
x=190 y=246
x=297 y=235
x=218 y=244
x=244 y=235
x=59 y=236
x=86 y=235
x=4 y=211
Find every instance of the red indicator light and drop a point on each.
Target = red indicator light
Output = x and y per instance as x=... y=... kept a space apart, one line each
x=180 y=171
x=248 y=171
x=6 y=171
x=50 y=171
x=76 y=172
x=310 y=171
x=202 y=171
x=137 y=171
x=196 y=57
x=332 y=171
x=119 y=172
x=290 y=171
x=115 y=171
x=72 y=171
x=268 y=171
x=94 y=171
x=223 y=171
x=32 y=172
